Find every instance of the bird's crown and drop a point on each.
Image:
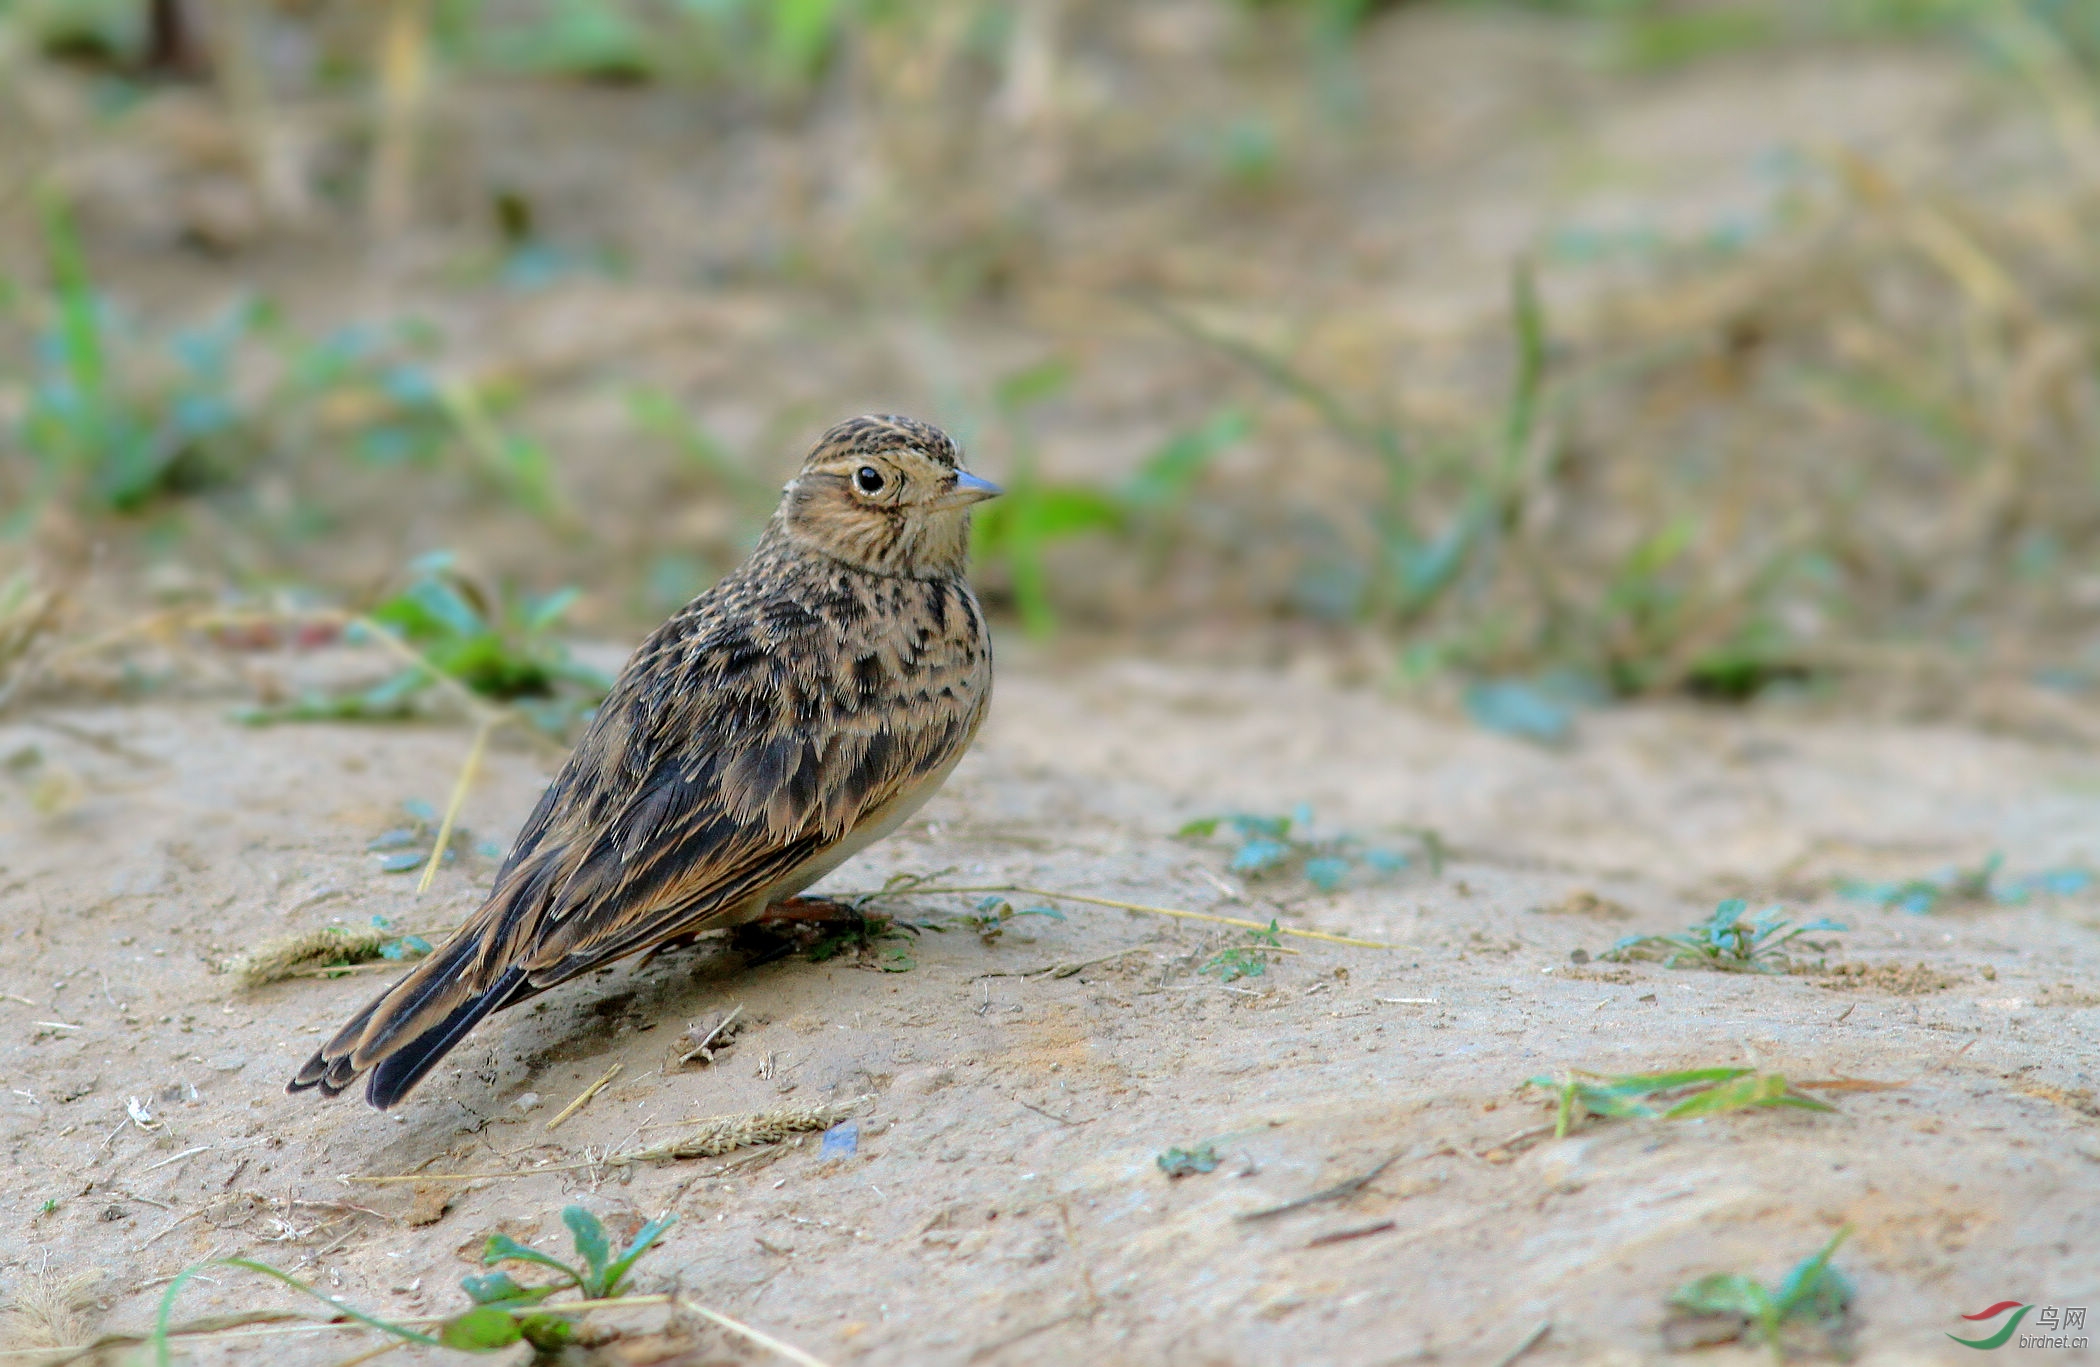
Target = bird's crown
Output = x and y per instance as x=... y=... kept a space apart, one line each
x=878 y=433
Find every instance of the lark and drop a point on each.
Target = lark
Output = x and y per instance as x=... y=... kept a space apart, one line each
x=781 y=722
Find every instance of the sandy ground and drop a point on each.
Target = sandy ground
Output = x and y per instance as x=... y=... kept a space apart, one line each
x=1004 y=1205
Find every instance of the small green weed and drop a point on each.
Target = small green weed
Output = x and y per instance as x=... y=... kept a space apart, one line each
x=370 y=391
x=406 y=946
x=405 y=849
x=369 y=386
x=865 y=940
x=1449 y=549
x=1272 y=846
x=1813 y=1300
x=1184 y=1162
x=1667 y=1096
x=1659 y=39
x=1971 y=886
x=504 y=1312
x=1013 y=531
x=102 y=34
x=1415 y=565
x=1934 y=892
x=589 y=39
x=1244 y=961
x=504 y=650
x=1540 y=709
x=775 y=46
x=1656 y=623
x=1249 y=155
x=992 y=915
x=1727 y=941
x=520 y=468
x=116 y=419
x=309 y=953
x=496 y=1320
x=115 y=423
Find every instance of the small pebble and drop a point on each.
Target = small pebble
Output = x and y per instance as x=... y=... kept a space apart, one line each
x=530 y=1101
x=841 y=1140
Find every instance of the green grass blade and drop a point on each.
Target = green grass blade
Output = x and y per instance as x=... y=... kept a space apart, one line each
x=1529 y=318
x=1723 y=1293
x=1806 y=1283
x=1604 y=1102
x=616 y=1271
x=167 y=1305
x=80 y=326
x=1323 y=401
x=1165 y=476
x=1768 y=1089
x=1036 y=384
x=591 y=1245
x=482 y=1329
x=1728 y=1096
x=504 y=1249
x=1641 y=1084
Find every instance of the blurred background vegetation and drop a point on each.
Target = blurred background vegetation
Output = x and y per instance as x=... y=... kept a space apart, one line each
x=1538 y=353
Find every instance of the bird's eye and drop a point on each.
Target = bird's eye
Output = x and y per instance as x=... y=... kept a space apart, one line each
x=869 y=479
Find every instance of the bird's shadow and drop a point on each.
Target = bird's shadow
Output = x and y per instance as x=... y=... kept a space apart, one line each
x=592 y=1017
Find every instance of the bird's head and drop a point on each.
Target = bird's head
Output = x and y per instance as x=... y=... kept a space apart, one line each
x=888 y=495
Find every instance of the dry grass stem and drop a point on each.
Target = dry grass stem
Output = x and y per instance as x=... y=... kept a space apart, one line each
x=725 y=1134
x=700 y=1050
x=404 y=61
x=273 y=170
x=707 y=1139
x=308 y=953
x=28 y=611
x=583 y=1098
x=381 y=965
x=746 y=1332
x=458 y=800
x=48 y=1311
x=173 y=1159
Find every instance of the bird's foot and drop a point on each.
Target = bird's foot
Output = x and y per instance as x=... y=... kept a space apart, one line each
x=804 y=910
x=816 y=926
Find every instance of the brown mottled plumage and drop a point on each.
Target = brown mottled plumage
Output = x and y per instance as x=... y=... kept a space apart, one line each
x=784 y=719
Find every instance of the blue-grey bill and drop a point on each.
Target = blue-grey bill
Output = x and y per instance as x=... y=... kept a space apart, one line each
x=967 y=483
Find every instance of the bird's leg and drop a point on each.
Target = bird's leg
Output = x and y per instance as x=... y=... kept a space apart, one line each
x=664 y=946
x=818 y=926
x=803 y=910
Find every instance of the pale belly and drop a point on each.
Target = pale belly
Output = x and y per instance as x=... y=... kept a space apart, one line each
x=877 y=825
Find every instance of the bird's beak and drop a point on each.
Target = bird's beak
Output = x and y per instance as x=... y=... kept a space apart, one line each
x=970 y=489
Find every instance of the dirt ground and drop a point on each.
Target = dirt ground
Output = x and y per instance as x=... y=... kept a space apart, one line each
x=1004 y=1204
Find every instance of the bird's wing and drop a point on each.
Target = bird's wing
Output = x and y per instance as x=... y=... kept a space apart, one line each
x=681 y=807
x=723 y=760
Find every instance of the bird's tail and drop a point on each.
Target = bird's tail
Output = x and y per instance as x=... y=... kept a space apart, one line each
x=406 y=1030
